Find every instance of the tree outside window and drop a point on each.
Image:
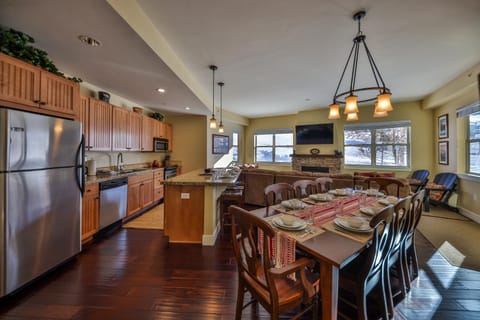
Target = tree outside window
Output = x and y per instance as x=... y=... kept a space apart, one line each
x=473 y=143
x=273 y=146
x=378 y=145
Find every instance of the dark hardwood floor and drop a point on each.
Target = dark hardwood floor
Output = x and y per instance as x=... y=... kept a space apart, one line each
x=135 y=274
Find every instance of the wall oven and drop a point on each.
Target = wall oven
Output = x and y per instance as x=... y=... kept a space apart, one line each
x=160 y=145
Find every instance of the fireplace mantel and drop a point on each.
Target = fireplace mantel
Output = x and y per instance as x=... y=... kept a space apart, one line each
x=332 y=161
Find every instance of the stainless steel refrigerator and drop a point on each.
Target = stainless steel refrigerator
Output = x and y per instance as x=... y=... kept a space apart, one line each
x=41 y=182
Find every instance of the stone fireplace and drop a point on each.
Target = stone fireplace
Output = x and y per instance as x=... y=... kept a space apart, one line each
x=317 y=162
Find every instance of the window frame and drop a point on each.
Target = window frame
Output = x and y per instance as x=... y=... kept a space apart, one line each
x=272 y=132
x=235 y=146
x=373 y=127
x=469 y=142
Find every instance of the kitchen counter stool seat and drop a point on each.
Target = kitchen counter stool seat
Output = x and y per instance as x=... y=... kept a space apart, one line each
x=231 y=196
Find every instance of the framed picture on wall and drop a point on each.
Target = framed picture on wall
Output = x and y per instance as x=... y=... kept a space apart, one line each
x=443 y=126
x=220 y=144
x=443 y=152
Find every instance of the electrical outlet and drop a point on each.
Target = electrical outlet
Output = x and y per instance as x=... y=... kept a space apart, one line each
x=185 y=195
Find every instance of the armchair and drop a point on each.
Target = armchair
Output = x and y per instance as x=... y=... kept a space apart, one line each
x=419 y=179
x=439 y=191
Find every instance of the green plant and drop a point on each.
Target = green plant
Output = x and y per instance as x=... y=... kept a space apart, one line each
x=157 y=116
x=17 y=44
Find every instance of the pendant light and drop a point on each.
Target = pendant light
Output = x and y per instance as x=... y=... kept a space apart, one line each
x=350 y=97
x=213 y=121
x=221 y=128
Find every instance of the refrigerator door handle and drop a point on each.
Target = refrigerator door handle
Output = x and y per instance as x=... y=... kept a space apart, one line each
x=80 y=165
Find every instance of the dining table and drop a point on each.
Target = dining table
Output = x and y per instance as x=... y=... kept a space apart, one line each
x=331 y=246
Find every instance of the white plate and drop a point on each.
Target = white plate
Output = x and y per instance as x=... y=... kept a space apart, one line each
x=386 y=201
x=368 y=211
x=343 y=222
x=293 y=204
x=374 y=194
x=321 y=197
x=296 y=226
x=334 y=192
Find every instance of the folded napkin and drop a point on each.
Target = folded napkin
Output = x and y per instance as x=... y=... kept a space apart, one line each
x=293 y=204
x=321 y=197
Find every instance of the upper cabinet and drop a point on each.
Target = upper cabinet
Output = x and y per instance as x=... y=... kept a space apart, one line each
x=25 y=86
x=120 y=128
x=134 y=137
x=99 y=126
x=148 y=127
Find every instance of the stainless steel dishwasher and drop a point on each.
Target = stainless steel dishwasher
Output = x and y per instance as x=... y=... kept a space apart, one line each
x=113 y=201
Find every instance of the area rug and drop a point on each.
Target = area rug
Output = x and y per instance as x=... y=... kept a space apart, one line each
x=455 y=237
x=151 y=219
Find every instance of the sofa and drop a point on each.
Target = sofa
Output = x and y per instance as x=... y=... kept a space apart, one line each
x=255 y=180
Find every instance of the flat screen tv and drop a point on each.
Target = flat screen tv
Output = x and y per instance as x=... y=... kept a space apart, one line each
x=314 y=134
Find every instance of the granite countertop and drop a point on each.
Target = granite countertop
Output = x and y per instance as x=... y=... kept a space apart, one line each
x=105 y=177
x=199 y=178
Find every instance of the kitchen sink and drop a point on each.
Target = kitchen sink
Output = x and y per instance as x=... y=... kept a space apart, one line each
x=115 y=172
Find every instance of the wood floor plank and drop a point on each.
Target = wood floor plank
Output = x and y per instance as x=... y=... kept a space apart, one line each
x=136 y=274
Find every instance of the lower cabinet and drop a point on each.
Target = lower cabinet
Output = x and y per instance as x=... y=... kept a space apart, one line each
x=90 y=206
x=140 y=192
x=158 y=177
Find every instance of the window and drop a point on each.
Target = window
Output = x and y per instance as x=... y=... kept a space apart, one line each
x=273 y=146
x=235 y=146
x=473 y=143
x=378 y=145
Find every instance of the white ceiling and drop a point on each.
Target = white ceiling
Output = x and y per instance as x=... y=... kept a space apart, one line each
x=275 y=56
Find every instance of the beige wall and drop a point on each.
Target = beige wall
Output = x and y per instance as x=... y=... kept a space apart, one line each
x=189 y=144
x=422 y=132
x=458 y=93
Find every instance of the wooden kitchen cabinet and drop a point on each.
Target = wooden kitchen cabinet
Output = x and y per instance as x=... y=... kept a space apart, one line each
x=148 y=127
x=83 y=116
x=160 y=129
x=90 y=207
x=158 y=177
x=120 y=128
x=28 y=87
x=140 y=192
x=100 y=126
x=134 y=138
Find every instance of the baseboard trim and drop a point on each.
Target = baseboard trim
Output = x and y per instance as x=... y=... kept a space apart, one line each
x=210 y=239
x=469 y=214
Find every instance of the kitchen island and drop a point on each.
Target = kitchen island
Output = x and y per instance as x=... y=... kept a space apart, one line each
x=191 y=206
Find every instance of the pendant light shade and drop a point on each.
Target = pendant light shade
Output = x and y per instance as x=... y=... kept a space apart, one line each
x=221 y=129
x=334 y=112
x=352 y=116
x=351 y=95
x=213 y=121
x=379 y=113
x=351 y=105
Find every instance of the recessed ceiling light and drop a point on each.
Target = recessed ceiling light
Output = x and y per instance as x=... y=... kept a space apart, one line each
x=89 y=41
x=307 y=99
x=187 y=108
x=161 y=90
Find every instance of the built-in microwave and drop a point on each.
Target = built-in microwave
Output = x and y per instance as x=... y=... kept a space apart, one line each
x=160 y=145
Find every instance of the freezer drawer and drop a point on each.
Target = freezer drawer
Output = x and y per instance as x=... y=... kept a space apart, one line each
x=41 y=223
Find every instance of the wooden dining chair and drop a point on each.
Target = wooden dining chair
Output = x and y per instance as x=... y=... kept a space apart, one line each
x=274 y=288
x=368 y=270
x=323 y=184
x=389 y=186
x=409 y=252
x=304 y=188
x=277 y=192
x=400 y=226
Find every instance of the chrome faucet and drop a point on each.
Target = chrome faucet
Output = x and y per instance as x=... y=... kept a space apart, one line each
x=119 y=161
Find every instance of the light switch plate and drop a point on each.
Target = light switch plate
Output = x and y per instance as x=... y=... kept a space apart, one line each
x=184 y=195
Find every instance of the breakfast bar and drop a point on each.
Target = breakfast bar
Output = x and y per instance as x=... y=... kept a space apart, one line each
x=191 y=205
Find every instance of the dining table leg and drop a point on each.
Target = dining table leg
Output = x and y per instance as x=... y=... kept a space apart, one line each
x=329 y=277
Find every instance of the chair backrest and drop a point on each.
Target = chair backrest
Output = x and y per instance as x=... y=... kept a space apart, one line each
x=324 y=184
x=277 y=192
x=400 y=223
x=416 y=207
x=389 y=186
x=421 y=174
x=253 y=263
x=304 y=188
x=380 y=246
x=448 y=181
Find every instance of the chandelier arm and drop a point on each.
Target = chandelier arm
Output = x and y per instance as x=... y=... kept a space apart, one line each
x=354 y=66
x=343 y=72
x=373 y=65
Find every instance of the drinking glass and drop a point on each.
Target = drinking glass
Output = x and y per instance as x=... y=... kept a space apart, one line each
x=362 y=199
x=358 y=188
x=339 y=207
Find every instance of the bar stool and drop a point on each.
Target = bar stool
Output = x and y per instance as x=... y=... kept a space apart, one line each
x=230 y=196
